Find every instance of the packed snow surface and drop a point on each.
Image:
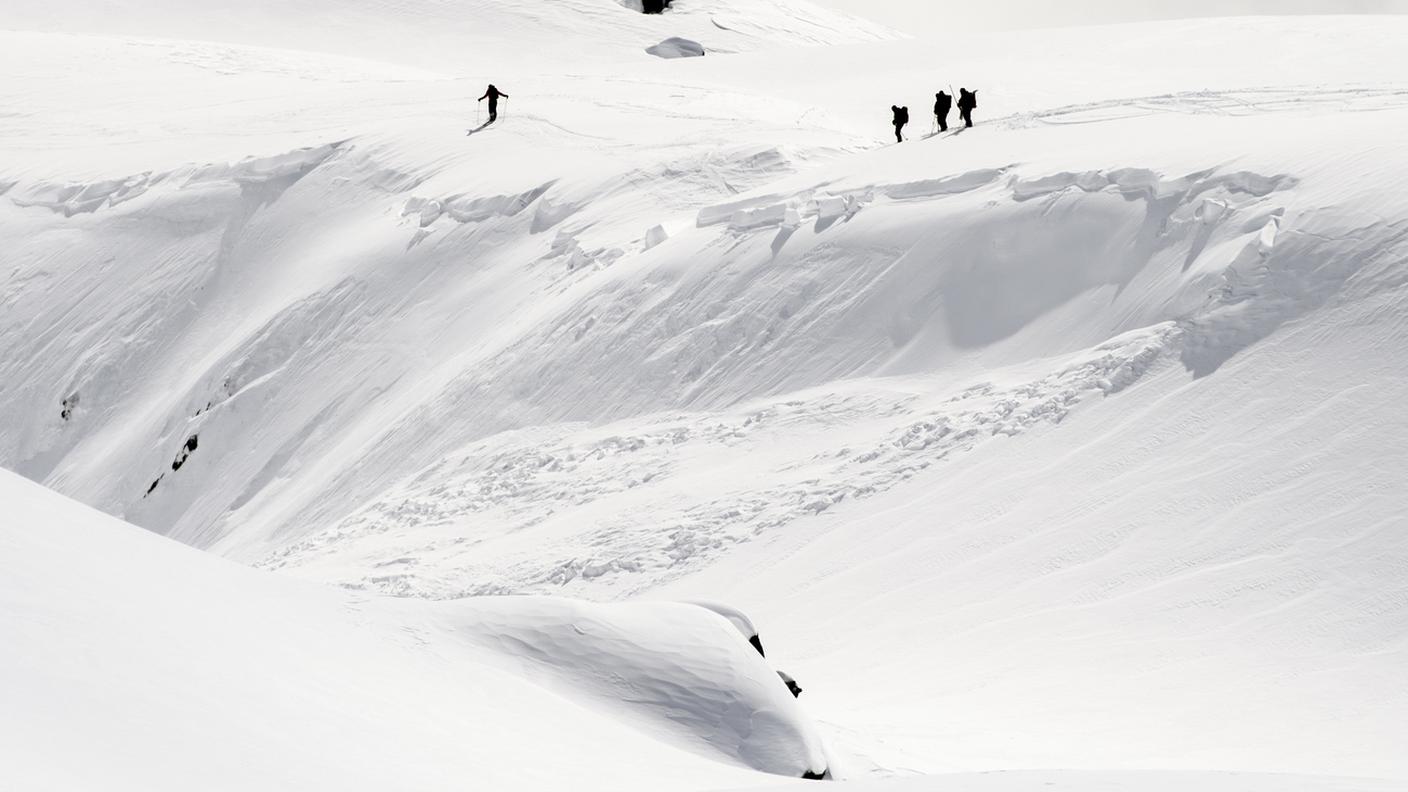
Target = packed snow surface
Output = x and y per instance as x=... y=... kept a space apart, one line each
x=1073 y=440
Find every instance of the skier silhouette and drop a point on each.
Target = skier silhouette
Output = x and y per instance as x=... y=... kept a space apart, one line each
x=493 y=94
x=942 y=104
x=967 y=103
x=901 y=118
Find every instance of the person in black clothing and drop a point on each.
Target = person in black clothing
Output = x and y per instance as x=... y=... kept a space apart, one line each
x=967 y=103
x=901 y=118
x=942 y=104
x=493 y=94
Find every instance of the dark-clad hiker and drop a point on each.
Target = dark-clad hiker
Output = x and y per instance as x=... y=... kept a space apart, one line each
x=942 y=104
x=967 y=103
x=493 y=94
x=901 y=118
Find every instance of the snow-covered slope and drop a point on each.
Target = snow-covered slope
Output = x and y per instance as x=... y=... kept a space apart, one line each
x=131 y=662
x=446 y=35
x=1071 y=440
x=1068 y=781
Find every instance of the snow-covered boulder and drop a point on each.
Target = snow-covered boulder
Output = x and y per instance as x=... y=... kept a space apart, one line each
x=676 y=47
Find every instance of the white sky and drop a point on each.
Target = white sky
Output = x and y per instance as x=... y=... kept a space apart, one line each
x=929 y=16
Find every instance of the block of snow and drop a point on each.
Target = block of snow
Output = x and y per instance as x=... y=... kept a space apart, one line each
x=655 y=236
x=427 y=209
x=1211 y=210
x=791 y=217
x=758 y=217
x=830 y=207
x=1266 y=238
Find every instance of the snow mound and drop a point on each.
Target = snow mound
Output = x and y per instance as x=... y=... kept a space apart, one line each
x=676 y=47
x=150 y=655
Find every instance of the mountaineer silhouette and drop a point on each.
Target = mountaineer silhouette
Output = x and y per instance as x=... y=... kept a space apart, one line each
x=967 y=103
x=901 y=118
x=942 y=104
x=493 y=94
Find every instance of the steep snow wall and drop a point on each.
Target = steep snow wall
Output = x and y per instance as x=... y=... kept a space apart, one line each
x=293 y=271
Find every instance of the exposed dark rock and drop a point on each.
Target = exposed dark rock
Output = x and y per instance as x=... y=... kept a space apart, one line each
x=68 y=405
x=185 y=453
x=757 y=644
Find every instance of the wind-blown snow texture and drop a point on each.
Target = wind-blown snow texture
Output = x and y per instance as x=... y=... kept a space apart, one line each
x=1072 y=440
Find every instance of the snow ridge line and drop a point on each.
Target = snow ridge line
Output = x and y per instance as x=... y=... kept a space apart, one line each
x=74 y=198
x=774 y=210
x=464 y=208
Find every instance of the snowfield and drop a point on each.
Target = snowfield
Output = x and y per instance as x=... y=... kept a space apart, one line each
x=1074 y=440
x=166 y=668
